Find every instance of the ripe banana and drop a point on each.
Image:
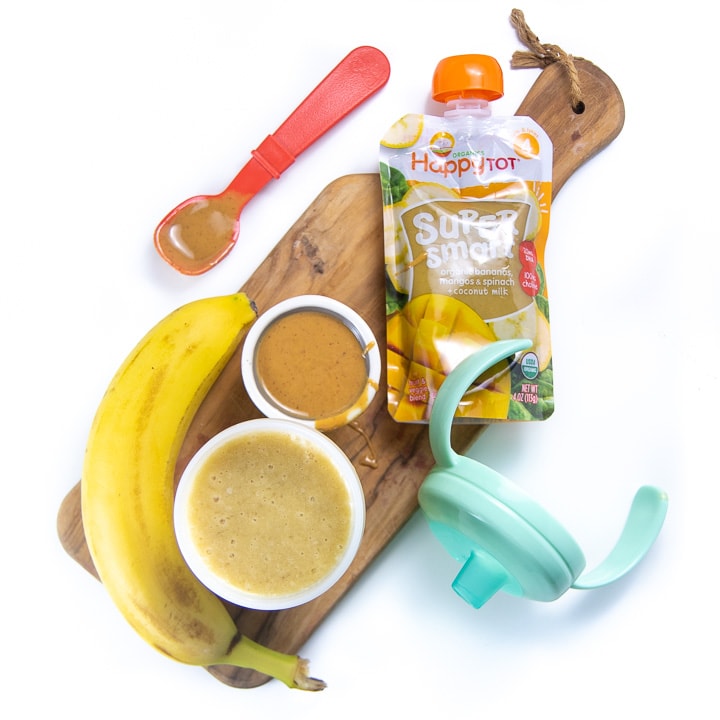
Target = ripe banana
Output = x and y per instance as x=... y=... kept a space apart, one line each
x=127 y=491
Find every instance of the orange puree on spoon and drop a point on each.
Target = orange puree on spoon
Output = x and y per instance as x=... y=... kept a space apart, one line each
x=200 y=231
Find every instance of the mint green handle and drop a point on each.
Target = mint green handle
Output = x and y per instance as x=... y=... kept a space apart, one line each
x=505 y=539
x=454 y=387
x=643 y=524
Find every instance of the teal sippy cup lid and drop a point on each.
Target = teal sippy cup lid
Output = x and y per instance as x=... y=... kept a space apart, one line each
x=503 y=538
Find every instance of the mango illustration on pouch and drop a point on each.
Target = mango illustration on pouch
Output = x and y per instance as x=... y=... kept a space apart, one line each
x=466 y=209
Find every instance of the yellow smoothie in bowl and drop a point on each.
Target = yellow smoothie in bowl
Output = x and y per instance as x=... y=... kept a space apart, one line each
x=269 y=514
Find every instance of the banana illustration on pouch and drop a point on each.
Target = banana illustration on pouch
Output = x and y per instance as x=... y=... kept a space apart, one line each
x=127 y=491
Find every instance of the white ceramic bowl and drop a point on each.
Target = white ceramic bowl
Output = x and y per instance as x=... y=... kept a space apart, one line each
x=308 y=439
x=367 y=344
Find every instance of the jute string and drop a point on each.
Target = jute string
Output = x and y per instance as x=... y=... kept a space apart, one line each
x=540 y=55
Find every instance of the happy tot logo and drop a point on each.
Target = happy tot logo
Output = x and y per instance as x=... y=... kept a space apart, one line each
x=526 y=145
x=442 y=143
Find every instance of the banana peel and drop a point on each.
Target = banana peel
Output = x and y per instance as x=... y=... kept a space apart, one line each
x=127 y=491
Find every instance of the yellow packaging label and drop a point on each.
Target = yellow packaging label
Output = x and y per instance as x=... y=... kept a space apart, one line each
x=466 y=211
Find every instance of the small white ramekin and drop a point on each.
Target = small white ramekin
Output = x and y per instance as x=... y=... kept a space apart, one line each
x=194 y=557
x=364 y=335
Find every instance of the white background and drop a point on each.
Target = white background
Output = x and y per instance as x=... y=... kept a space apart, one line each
x=114 y=112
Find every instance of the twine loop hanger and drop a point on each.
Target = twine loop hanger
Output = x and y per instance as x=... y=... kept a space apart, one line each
x=540 y=55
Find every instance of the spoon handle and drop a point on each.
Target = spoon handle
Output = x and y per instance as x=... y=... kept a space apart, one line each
x=358 y=76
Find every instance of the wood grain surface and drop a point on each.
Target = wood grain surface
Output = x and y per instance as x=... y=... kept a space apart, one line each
x=336 y=249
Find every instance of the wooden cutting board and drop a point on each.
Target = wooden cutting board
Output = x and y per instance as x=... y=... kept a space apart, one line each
x=336 y=249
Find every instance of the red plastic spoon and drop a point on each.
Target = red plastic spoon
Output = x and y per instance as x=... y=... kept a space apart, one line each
x=202 y=230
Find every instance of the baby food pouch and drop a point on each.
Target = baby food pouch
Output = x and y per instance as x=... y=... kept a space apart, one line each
x=466 y=211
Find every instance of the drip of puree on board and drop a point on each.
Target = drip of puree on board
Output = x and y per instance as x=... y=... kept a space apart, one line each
x=311 y=364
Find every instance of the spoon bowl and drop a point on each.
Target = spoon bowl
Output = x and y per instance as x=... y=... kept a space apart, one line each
x=198 y=233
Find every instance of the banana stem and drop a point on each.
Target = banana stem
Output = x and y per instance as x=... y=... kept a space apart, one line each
x=289 y=669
